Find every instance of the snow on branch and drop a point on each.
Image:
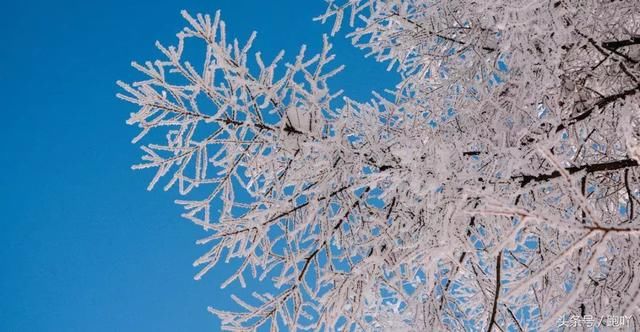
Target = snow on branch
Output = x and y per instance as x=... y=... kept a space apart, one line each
x=496 y=187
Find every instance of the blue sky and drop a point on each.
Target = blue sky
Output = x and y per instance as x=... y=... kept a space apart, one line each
x=84 y=246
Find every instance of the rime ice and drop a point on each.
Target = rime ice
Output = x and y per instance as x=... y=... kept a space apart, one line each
x=495 y=187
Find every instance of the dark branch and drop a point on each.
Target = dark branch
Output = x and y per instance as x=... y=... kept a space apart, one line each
x=494 y=311
x=306 y=263
x=589 y=168
x=614 y=45
x=629 y=194
x=604 y=101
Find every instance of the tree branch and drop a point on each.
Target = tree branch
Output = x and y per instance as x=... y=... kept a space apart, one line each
x=604 y=101
x=590 y=168
x=494 y=311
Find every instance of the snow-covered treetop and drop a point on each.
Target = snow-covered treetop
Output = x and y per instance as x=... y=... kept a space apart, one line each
x=495 y=187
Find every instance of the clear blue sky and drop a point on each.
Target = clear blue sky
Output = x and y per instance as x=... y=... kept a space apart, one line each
x=83 y=246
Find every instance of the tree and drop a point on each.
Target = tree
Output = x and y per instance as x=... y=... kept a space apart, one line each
x=494 y=188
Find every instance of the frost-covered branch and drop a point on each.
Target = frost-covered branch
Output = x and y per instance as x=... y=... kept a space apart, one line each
x=495 y=187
